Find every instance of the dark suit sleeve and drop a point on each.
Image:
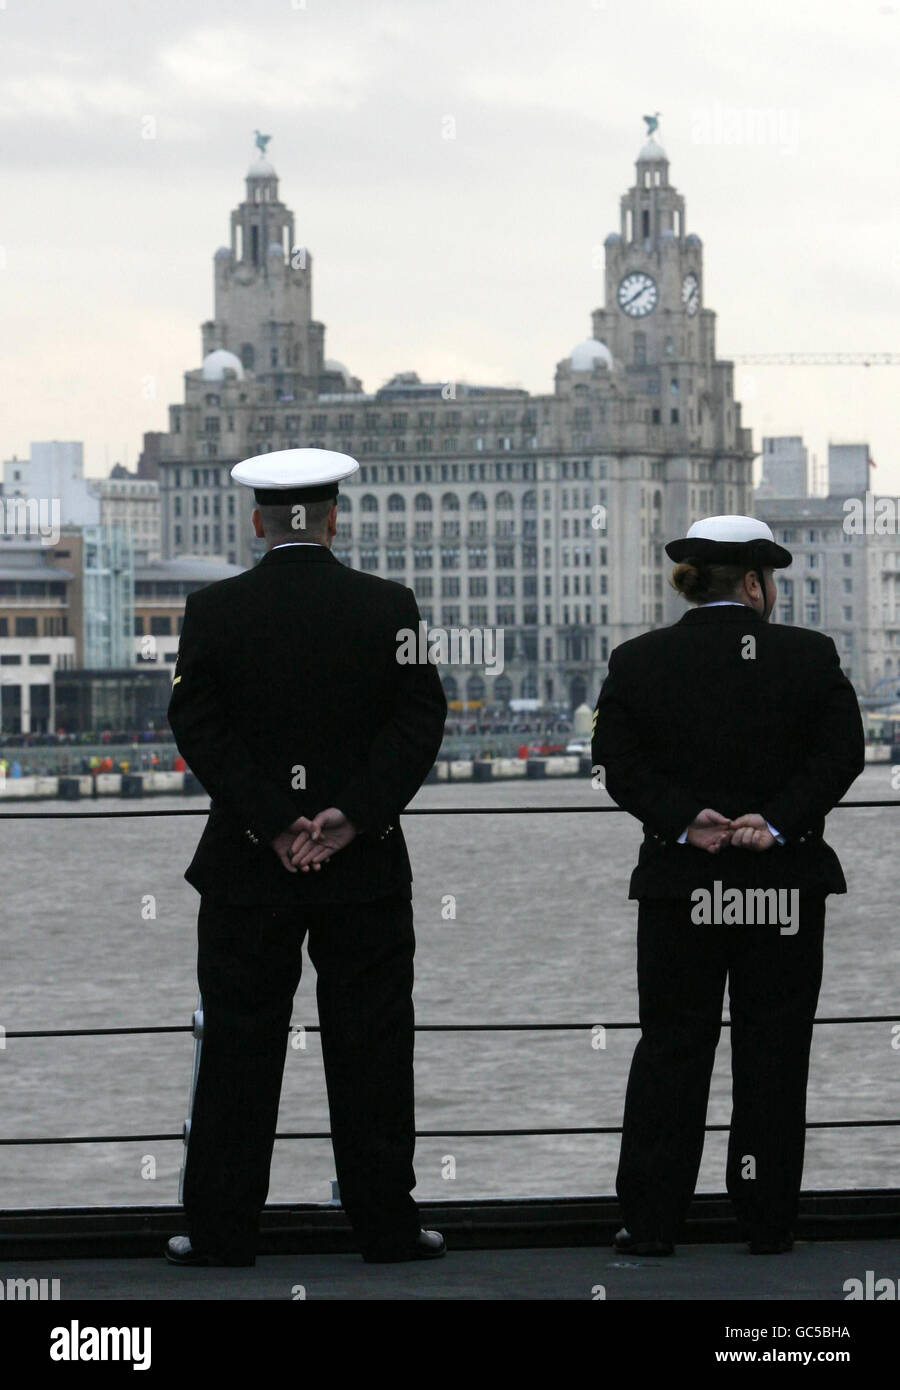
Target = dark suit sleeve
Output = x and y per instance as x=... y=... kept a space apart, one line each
x=623 y=749
x=835 y=755
x=404 y=748
x=203 y=731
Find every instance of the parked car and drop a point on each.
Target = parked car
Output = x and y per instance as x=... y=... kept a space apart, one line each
x=578 y=745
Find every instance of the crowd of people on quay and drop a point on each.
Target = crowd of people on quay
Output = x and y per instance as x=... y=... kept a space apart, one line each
x=48 y=754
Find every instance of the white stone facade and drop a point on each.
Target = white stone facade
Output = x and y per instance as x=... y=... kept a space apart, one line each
x=542 y=515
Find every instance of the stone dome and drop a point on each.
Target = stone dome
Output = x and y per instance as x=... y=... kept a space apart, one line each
x=652 y=150
x=218 y=362
x=614 y=239
x=261 y=169
x=223 y=254
x=692 y=239
x=274 y=249
x=331 y=364
x=585 y=356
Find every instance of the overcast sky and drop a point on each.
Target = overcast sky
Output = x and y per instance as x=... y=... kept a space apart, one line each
x=476 y=257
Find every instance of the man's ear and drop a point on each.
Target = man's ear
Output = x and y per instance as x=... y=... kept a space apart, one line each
x=256 y=518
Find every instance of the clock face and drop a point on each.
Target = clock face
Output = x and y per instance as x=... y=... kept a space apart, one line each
x=690 y=292
x=637 y=294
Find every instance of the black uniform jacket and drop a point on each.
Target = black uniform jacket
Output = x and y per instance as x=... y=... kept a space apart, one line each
x=688 y=718
x=288 y=698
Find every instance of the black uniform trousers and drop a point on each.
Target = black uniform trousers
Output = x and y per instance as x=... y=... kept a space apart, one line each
x=773 y=984
x=249 y=964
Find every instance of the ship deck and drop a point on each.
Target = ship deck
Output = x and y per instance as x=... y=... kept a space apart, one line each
x=541 y=1248
x=814 y=1270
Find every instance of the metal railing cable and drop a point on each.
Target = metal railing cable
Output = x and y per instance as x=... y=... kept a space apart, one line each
x=419 y=1027
x=22 y=1034
x=423 y=1133
x=415 y=811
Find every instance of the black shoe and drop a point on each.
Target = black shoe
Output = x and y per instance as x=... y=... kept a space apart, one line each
x=771 y=1245
x=429 y=1245
x=626 y=1244
x=179 y=1251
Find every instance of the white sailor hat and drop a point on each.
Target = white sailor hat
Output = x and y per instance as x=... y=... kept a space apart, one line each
x=730 y=540
x=294 y=475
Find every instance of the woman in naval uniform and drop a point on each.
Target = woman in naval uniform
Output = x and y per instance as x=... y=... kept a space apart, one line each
x=730 y=739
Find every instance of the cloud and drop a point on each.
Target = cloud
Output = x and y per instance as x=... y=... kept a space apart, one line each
x=205 y=69
x=240 y=67
x=52 y=97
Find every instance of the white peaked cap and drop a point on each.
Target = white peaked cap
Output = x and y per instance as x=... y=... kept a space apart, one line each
x=294 y=469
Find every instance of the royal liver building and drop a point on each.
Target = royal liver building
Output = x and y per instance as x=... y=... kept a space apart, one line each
x=544 y=516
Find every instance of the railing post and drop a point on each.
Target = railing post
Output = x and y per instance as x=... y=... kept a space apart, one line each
x=197 y=1030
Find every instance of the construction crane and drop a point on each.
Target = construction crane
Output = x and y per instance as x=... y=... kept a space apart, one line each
x=817 y=359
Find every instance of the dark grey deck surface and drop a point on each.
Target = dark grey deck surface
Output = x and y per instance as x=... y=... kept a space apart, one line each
x=813 y=1270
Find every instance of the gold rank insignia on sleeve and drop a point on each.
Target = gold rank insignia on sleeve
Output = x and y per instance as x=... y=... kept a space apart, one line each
x=594 y=724
x=175 y=680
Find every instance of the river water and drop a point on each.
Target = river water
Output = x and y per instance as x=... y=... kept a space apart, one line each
x=543 y=932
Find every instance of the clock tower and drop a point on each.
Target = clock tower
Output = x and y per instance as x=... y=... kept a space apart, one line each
x=646 y=412
x=655 y=325
x=654 y=274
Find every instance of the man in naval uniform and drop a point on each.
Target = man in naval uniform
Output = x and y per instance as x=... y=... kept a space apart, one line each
x=730 y=739
x=290 y=706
